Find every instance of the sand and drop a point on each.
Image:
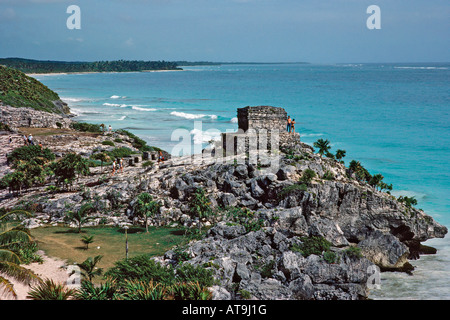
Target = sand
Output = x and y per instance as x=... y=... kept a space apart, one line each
x=51 y=268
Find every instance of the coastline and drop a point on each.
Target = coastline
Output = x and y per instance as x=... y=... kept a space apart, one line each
x=94 y=72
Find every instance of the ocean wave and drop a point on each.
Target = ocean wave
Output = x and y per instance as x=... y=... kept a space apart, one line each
x=423 y=68
x=142 y=109
x=117 y=97
x=115 y=105
x=200 y=137
x=234 y=120
x=79 y=112
x=122 y=118
x=191 y=116
x=311 y=135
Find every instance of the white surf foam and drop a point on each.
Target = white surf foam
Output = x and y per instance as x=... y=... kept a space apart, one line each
x=142 y=109
x=191 y=116
x=200 y=137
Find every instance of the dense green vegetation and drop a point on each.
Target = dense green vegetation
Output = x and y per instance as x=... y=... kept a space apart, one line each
x=86 y=127
x=39 y=66
x=16 y=247
x=19 y=90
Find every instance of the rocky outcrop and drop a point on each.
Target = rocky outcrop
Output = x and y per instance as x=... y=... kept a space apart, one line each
x=258 y=253
x=262 y=264
x=27 y=117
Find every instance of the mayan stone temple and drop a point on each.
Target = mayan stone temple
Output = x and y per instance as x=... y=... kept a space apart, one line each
x=260 y=128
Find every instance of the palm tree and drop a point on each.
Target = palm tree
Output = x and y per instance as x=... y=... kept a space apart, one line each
x=103 y=157
x=340 y=154
x=9 y=260
x=323 y=146
x=81 y=216
x=376 y=180
x=49 y=290
x=89 y=267
x=87 y=240
x=146 y=207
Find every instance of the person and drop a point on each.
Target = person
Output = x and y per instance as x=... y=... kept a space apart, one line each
x=110 y=128
x=161 y=157
x=113 y=167
x=40 y=144
x=288 y=126
x=10 y=139
x=121 y=164
x=25 y=140
x=30 y=139
x=293 y=126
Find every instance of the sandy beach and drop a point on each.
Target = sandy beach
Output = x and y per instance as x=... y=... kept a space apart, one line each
x=51 y=268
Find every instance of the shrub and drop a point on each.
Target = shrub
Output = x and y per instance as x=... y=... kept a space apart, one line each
x=328 y=175
x=329 y=256
x=4 y=127
x=140 y=268
x=118 y=140
x=121 y=152
x=246 y=218
x=32 y=152
x=245 y=294
x=307 y=176
x=108 y=143
x=353 y=252
x=147 y=164
x=287 y=191
x=313 y=245
x=49 y=290
x=86 y=127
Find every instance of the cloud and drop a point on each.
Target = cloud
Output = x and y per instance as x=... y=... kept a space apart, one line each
x=129 y=42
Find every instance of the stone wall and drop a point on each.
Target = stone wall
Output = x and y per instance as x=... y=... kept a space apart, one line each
x=261 y=128
x=28 y=117
x=262 y=117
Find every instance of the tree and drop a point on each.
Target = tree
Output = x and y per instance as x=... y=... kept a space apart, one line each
x=360 y=172
x=102 y=157
x=376 y=180
x=340 y=154
x=87 y=240
x=408 y=201
x=69 y=167
x=81 y=216
x=9 y=260
x=89 y=267
x=146 y=207
x=384 y=186
x=323 y=146
x=200 y=205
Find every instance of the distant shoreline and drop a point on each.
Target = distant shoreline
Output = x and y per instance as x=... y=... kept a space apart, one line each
x=94 y=72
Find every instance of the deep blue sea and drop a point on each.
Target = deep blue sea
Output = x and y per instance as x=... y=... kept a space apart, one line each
x=393 y=118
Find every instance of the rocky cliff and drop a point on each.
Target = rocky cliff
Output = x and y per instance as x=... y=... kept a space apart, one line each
x=273 y=234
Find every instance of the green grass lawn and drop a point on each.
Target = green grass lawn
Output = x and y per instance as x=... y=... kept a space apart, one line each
x=65 y=243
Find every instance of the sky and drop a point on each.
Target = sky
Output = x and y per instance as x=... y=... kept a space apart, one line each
x=325 y=31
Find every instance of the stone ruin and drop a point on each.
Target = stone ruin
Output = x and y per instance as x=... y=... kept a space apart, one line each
x=261 y=128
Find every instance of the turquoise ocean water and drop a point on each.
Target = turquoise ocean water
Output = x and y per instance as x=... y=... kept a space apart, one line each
x=394 y=118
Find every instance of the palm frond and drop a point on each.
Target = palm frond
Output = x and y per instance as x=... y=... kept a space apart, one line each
x=15 y=212
x=9 y=256
x=14 y=235
x=19 y=273
x=7 y=288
